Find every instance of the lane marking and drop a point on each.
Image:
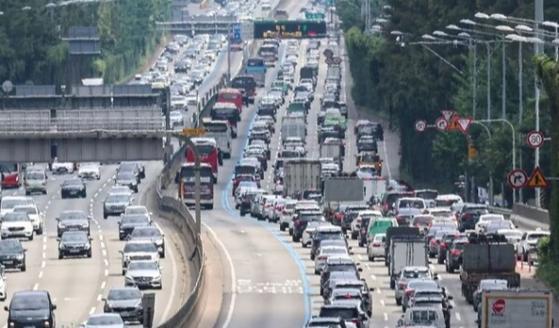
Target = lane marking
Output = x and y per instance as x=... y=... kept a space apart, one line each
x=458 y=317
x=41 y=274
x=106 y=272
x=382 y=303
x=233 y=276
x=106 y=262
x=92 y=310
x=103 y=284
x=43 y=264
x=36 y=286
x=385 y=316
x=99 y=297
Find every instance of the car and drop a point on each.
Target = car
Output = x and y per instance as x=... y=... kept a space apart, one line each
x=62 y=167
x=18 y=225
x=408 y=273
x=286 y=214
x=362 y=218
x=8 y=203
x=407 y=208
x=176 y=118
x=150 y=233
x=418 y=285
x=73 y=220
x=375 y=248
x=325 y=233
x=426 y=316
x=127 y=302
x=485 y=219
x=74 y=243
x=335 y=264
x=330 y=322
x=485 y=285
x=12 y=254
x=324 y=253
x=348 y=311
x=34 y=215
x=135 y=168
x=445 y=243
x=339 y=295
x=120 y=190
x=301 y=221
x=469 y=215
x=144 y=274
x=454 y=254
x=104 y=320
x=306 y=236
x=138 y=209
x=115 y=204
x=128 y=179
x=128 y=222
x=31 y=308
x=494 y=226
x=89 y=171
x=35 y=181
x=138 y=251
x=73 y=187
x=513 y=236
x=529 y=241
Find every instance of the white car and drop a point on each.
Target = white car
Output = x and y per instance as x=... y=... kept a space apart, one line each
x=10 y=202
x=356 y=223
x=485 y=219
x=306 y=238
x=104 y=320
x=529 y=242
x=513 y=236
x=89 y=171
x=34 y=215
x=16 y=224
x=3 y=292
x=138 y=209
x=325 y=252
x=286 y=214
x=62 y=167
x=375 y=248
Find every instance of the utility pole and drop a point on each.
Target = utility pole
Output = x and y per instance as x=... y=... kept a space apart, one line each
x=504 y=86
x=538 y=48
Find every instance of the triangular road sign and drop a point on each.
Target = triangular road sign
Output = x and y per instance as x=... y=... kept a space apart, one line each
x=464 y=123
x=447 y=114
x=537 y=179
x=453 y=124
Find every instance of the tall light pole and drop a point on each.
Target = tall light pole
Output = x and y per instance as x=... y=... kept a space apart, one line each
x=538 y=49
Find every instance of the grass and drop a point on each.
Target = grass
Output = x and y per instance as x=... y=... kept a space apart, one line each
x=548 y=272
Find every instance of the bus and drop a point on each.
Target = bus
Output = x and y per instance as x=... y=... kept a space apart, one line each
x=227 y=112
x=220 y=131
x=208 y=152
x=269 y=52
x=256 y=67
x=10 y=175
x=231 y=95
x=187 y=183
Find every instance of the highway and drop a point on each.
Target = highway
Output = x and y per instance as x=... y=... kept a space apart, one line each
x=79 y=284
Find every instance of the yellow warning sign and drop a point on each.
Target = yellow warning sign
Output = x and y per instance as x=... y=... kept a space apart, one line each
x=537 y=179
x=453 y=125
x=193 y=132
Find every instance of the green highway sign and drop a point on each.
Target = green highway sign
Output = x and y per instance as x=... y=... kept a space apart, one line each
x=314 y=15
x=289 y=29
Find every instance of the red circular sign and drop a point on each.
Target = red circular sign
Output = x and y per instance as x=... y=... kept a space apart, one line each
x=498 y=306
x=535 y=139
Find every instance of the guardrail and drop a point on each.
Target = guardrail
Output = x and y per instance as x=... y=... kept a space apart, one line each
x=524 y=214
x=186 y=225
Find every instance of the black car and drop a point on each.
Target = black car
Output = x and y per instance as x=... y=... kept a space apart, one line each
x=127 y=302
x=301 y=220
x=128 y=179
x=12 y=254
x=363 y=231
x=336 y=264
x=325 y=233
x=132 y=167
x=31 y=309
x=73 y=221
x=469 y=215
x=73 y=188
x=74 y=243
x=128 y=222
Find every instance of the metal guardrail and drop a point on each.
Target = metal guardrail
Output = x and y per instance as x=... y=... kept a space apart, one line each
x=83 y=124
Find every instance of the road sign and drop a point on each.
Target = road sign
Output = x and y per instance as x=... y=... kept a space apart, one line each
x=447 y=114
x=441 y=123
x=314 y=15
x=289 y=29
x=535 y=139
x=235 y=33
x=420 y=126
x=193 y=132
x=517 y=178
x=537 y=179
x=464 y=123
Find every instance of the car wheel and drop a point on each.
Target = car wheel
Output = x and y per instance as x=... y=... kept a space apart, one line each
x=62 y=195
x=84 y=194
x=371 y=258
x=303 y=244
x=44 y=192
x=27 y=193
x=60 y=256
x=211 y=206
x=440 y=260
x=40 y=230
x=163 y=253
x=89 y=254
x=398 y=301
x=282 y=227
x=123 y=272
x=31 y=237
x=105 y=215
x=524 y=256
x=23 y=267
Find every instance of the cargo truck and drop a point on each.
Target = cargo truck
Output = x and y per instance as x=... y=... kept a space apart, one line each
x=300 y=175
x=516 y=308
x=406 y=251
x=394 y=232
x=487 y=260
x=293 y=126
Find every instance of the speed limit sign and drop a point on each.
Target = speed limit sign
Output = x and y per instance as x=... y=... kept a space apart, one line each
x=535 y=139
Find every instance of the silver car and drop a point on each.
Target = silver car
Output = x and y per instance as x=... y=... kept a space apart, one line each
x=152 y=234
x=116 y=204
x=138 y=251
x=143 y=274
x=104 y=320
x=408 y=273
x=324 y=253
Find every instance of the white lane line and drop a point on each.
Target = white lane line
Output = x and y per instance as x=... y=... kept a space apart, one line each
x=102 y=244
x=92 y=310
x=43 y=264
x=99 y=297
x=41 y=274
x=44 y=239
x=373 y=277
x=36 y=286
x=104 y=253
x=106 y=272
x=107 y=262
x=385 y=316
x=382 y=302
x=458 y=317
x=233 y=277
x=44 y=247
x=103 y=284
x=101 y=237
x=379 y=291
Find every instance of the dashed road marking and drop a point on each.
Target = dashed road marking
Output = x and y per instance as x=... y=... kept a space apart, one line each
x=41 y=274
x=458 y=317
x=92 y=310
x=385 y=316
x=36 y=286
x=43 y=264
x=382 y=303
x=103 y=284
x=106 y=272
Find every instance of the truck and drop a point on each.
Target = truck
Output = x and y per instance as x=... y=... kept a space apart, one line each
x=299 y=175
x=333 y=148
x=487 y=259
x=516 y=308
x=397 y=232
x=406 y=251
x=293 y=126
x=374 y=188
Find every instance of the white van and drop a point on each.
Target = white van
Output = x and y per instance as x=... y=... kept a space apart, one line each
x=221 y=132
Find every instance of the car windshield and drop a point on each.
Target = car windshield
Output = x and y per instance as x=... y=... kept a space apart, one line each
x=105 y=320
x=30 y=302
x=422 y=284
x=15 y=217
x=127 y=167
x=344 y=313
x=73 y=215
x=536 y=236
x=148 y=232
x=140 y=247
x=8 y=203
x=26 y=209
x=72 y=182
x=10 y=245
x=411 y=203
x=124 y=294
x=333 y=250
x=74 y=237
x=135 y=218
x=35 y=175
x=425 y=317
x=142 y=265
x=416 y=274
x=125 y=176
x=117 y=199
x=136 y=210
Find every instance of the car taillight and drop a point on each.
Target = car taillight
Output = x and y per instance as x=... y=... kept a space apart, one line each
x=433 y=241
x=403 y=285
x=443 y=245
x=279 y=208
x=323 y=257
x=409 y=291
x=455 y=252
x=376 y=244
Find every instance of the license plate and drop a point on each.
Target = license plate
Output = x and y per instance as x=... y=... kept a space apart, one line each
x=8 y=262
x=74 y=251
x=28 y=326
